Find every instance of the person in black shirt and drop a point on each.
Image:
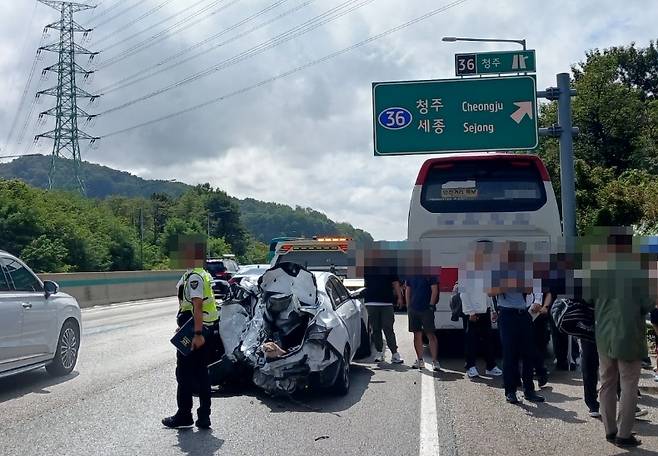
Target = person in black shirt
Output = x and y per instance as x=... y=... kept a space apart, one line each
x=422 y=294
x=382 y=287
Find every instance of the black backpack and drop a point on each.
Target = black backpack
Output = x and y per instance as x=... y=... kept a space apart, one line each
x=456 y=307
x=574 y=317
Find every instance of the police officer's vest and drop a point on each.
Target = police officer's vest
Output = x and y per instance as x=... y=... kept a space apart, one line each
x=210 y=313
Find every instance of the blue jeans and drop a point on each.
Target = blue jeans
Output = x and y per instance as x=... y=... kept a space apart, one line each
x=517 y=339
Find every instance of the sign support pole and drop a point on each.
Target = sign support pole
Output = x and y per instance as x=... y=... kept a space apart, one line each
x=567 y=178
x=565 y=132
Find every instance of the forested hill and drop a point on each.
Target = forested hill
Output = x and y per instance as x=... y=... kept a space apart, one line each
x=269 y=220
x=100 y=181
x=263 y=220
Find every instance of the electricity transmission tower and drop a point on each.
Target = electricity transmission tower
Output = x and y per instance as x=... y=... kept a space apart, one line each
x=66 y=134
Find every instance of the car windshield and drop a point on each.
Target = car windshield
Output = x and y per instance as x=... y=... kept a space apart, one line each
x=215 y=267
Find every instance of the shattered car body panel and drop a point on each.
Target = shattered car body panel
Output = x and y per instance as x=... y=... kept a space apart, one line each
x=314 y=331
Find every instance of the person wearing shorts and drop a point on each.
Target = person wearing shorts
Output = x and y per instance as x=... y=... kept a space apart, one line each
x=422 y=294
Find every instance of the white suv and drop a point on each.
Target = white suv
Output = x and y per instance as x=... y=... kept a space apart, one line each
x=39 y=325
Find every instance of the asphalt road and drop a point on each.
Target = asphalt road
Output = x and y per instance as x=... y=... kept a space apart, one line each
x=124 y=384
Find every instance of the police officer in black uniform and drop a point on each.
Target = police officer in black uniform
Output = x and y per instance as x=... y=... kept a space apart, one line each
x=197 y=302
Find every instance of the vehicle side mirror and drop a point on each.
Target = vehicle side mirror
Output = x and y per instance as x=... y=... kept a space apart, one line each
x=358 y=294
x=50 y=288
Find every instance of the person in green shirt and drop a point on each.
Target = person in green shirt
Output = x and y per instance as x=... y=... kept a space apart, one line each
x=617 y=281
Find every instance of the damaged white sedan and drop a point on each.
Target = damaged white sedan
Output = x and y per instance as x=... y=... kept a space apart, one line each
x=295 y=329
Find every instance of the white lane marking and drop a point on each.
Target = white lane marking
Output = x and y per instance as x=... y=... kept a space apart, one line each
x=104 y=307
x=429 y=428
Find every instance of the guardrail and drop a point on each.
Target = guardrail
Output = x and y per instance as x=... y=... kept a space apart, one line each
x=99 y=288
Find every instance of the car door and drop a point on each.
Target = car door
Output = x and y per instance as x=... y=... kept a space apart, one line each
x=39 y=329
x=348 y=312
x=11 y=316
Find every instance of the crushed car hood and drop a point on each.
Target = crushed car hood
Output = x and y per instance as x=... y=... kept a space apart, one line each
x=290 y=334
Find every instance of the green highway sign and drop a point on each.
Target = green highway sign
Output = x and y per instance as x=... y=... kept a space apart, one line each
x=451 y=115
x=495 y=63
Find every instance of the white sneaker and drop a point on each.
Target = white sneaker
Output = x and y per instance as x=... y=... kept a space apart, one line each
x=496 y=372
x=641 y=412
x=472 y=372
x=379 y=357
x=595 y=414
x=436 y=366
x=418 y=364
x=395 y=358
x=655 y=378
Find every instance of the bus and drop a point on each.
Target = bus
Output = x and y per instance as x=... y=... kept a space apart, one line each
x=462 y=198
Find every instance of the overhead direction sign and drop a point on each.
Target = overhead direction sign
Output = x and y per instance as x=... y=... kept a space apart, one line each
x=451 y=115
x=495 y=63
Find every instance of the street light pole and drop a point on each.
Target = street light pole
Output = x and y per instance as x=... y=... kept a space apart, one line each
x=141 y=237
x=451 y=39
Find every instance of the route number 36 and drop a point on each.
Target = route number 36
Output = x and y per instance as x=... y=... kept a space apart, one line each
x=465 y=64
x=395 y=118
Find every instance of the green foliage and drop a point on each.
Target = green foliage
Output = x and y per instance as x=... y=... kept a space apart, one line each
x=616 y=151
x=100 y=181
x=63 y=231
x=58 y=231
x=46 y=255
x=256 y=253
x=270 y=220
x=218 y=247
x=202 y=209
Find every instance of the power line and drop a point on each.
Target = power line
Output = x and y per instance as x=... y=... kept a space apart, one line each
x=146 y=43
x=21 y=133
x=312 y=24
x=21 y=101
x=120 y=13
x=123 y=82
x=142 y=17
x=290 y=72
x=108 y=9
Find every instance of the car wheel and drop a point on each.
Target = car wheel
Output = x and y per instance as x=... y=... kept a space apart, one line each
x=364 y=347
x=66 y=353
x=342 y=384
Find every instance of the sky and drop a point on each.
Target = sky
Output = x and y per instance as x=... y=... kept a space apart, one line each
x=302 y=139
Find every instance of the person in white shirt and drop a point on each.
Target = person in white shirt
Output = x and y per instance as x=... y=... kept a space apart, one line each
x=478 y=314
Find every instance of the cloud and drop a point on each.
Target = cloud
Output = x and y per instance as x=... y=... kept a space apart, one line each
x=305 y=139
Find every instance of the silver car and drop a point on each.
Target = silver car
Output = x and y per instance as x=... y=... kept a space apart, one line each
x=294 y=329
x=39 y=325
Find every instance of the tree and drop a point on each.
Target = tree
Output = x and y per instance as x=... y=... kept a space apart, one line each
x=616 y=151
x=218 y=247
x=44 y=254
x=256 y=253
x=19 y=224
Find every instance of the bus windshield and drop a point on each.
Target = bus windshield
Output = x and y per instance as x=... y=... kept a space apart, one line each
x=483 y=186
